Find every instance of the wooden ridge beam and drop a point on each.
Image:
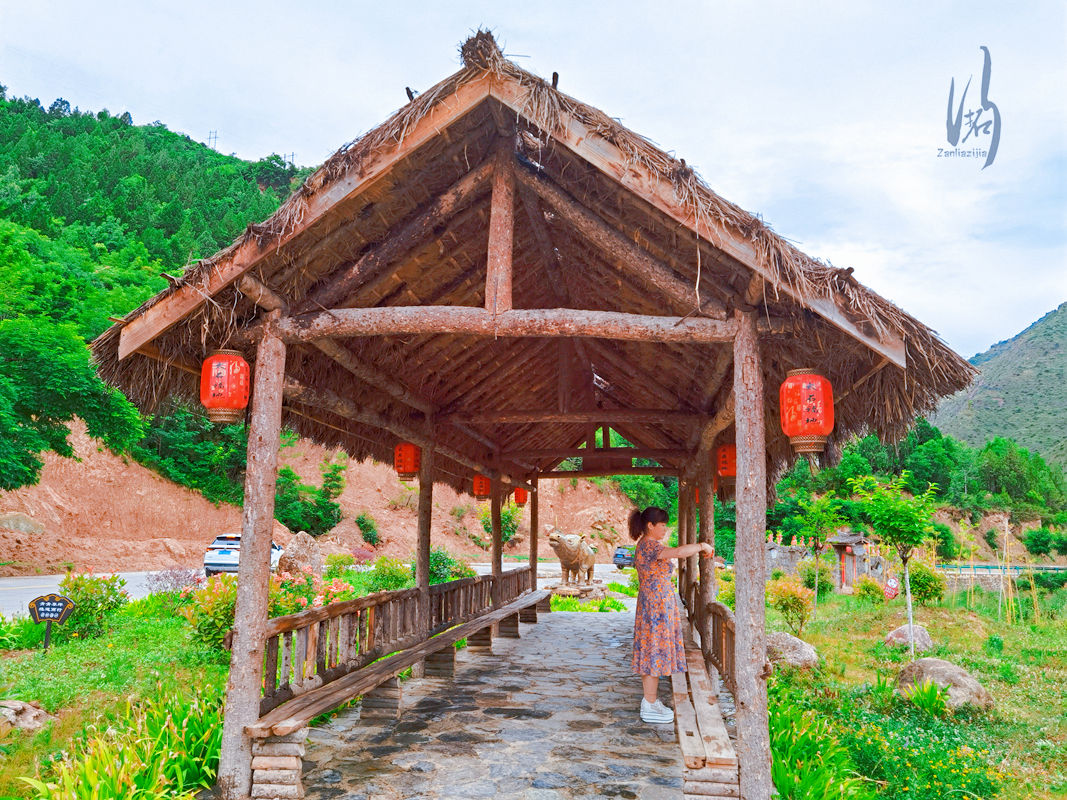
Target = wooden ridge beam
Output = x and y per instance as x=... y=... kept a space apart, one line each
x=543 y=322
x=610 y=160
x=498 y=274
x=171 y=309
x=579 y=452
x=651 y=270
x=602 y=415
x=295 y=391
x=603 y=473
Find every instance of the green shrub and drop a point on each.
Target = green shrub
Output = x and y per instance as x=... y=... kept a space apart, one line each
x=868 y=590
x=623 y=588
x=94 y=598
x=210 y=610
x=1039 y=541
x=929 y=698
x=777 y=574
x=726 y=594
x=994 y=644
x=793 y=601
x=806 y=571
x=510 y=516
x=21 y=633
x=313 y=509
x=560 y=603
x=947 y=546
x=368 y=529
x=992 y=538
x=445 y=567
x=163 y=747
x=337 y=564
x=389 y=574
x=1059 y=542
x=807 y=760
x=926 y=584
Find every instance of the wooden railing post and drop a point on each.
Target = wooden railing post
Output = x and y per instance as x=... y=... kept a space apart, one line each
x=706 y=589
x=750 y=649
x=534 y=522
x=422 y=563
x=498 y=540
x=246 y=659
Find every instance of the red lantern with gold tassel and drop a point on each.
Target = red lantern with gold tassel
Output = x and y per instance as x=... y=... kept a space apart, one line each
x=407 y=459
x=224 y=386
x=521 y=496
x=483 y=487
x=807 y=410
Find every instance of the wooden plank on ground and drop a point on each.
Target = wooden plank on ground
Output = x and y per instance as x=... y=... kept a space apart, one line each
x=685 y=721
x=718 y=749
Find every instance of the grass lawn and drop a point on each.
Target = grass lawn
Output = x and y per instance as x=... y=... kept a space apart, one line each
x=145 y=652
x=1023 y=666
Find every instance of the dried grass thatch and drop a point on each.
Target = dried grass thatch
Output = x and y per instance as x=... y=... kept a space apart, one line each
x=448 y=268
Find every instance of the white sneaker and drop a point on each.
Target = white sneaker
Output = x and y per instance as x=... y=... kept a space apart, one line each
x=656 y=713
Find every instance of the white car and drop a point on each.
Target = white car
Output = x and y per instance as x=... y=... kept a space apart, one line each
x=224 y=553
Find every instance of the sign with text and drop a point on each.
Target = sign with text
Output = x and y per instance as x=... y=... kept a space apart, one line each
x=51 y=608
x=892 y=588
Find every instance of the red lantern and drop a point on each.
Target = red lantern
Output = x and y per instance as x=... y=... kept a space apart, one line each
x=483 y=487
x=807 y=409
x=726 y=461
x=407 y=458
x=224 y=386
x=521 y=496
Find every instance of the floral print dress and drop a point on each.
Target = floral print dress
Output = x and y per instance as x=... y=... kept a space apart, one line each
x=658 y=648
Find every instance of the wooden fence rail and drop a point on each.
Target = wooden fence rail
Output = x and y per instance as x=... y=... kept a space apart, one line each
x=306 y=650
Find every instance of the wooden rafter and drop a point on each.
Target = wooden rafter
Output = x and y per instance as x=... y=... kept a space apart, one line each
x=498 y=277
x=609 y=415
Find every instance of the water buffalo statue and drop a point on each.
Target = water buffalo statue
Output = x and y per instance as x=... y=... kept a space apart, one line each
x=576 y=556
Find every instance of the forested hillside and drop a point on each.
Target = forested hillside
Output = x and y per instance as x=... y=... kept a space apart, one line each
x=1020 y=394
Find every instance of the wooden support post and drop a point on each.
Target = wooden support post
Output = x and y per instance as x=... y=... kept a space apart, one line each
x=422 y=563
x=498 y=539
x=534 y=523
x=683 y=536
x=481 y=641
x=441 y=663
x=750 y=654
x=692 y=568
x=509 y=627
x=253 y=576
x=706 y=590
x=501 y=234
x=382 y=702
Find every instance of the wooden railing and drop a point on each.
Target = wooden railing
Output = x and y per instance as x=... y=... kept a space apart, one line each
x=716 y=629
x=306 y=650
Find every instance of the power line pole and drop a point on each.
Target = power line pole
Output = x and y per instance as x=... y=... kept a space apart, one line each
x=212 y=138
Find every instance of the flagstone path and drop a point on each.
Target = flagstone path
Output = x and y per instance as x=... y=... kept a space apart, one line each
x=549 y=716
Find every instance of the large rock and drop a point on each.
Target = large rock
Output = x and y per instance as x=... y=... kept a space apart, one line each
x=302 y=554
x=785 y=649
x=962 y=688
x=17 y=521
x=899 y=638
x=24 y=716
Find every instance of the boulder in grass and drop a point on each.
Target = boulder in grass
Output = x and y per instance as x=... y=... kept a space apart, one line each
x=899 y=638
x=302 y=554
x=785 y=649
x=962 y=688
x=22 y=716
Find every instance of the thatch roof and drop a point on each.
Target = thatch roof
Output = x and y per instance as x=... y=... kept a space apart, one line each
x=362 y=232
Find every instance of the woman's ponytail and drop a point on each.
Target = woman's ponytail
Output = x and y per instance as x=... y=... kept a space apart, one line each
x=639 y=520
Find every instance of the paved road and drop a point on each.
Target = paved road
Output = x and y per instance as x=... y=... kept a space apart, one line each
x=16 y=593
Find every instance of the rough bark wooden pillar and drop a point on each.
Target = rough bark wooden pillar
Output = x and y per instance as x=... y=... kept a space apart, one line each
x=750 y=655
x=422 y=562
x=246 y=659
x=692 y=569
x=683 y=536
x=501 y=233
x=534 y=523
x=706 y=589
x=498 y=539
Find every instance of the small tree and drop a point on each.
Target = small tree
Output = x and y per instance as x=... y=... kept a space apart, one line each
x=902 y=521
x=820 y=518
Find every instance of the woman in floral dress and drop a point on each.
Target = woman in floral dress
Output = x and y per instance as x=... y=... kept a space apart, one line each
x=658 y=647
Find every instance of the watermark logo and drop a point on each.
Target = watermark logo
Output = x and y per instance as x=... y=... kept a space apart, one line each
x=978 y=125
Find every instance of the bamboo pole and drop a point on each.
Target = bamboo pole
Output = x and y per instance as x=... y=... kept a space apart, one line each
x=246 y=659
x=750 y=654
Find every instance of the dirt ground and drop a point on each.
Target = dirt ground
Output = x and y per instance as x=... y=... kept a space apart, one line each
x=106 y=513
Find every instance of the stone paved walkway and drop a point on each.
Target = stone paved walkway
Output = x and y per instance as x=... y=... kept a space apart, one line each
x=551 y=715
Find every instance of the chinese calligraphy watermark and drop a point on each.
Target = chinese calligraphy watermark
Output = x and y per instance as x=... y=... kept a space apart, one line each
x=979 y=125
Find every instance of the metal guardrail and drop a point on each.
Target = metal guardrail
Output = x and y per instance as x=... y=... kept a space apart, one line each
x=985 y=569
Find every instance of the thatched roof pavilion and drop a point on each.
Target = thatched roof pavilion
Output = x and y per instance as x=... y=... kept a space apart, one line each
x=494 y=273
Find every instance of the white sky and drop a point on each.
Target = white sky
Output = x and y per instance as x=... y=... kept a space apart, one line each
x=824 y=118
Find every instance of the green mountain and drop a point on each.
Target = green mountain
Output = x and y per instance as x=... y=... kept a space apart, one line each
x=1020 y=394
